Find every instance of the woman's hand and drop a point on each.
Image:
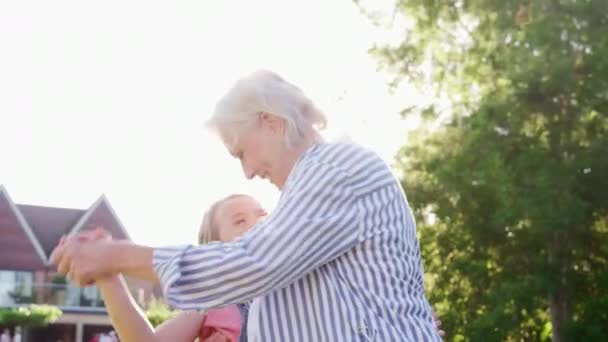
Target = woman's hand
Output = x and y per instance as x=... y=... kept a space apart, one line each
x=79 y=256
x=438 y=324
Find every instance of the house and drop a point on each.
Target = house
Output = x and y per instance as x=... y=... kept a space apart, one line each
x=28 y=235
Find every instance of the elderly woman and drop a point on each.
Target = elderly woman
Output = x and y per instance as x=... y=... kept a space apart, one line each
x=337 y=260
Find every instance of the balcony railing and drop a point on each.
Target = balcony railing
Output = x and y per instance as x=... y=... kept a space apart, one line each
x=64 y=296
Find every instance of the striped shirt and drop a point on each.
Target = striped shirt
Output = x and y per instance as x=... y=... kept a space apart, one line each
x=337 y=260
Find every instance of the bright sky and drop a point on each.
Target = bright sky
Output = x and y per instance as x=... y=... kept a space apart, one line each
x=110 y=97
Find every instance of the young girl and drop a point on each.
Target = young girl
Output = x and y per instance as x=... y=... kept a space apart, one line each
x=224 y=221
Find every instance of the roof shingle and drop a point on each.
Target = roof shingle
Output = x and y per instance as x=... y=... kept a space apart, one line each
x=49 y=224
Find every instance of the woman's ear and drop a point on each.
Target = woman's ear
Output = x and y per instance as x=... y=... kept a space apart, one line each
x=275 y=123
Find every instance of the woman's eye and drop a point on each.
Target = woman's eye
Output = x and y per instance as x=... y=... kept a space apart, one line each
x=240 y=221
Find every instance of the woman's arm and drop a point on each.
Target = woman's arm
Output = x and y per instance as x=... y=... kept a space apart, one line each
x=131 y=323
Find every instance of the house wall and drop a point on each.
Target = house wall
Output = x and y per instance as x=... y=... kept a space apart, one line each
x=16 y=250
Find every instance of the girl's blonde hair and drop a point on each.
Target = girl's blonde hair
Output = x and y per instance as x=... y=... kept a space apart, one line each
x=209 y=231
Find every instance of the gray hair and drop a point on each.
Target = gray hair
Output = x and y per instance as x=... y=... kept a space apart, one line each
x=266 y=92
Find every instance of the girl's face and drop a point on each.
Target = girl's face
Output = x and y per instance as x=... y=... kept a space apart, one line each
x=235 y=216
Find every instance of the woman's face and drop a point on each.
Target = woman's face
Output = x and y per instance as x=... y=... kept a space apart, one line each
x=235 y=216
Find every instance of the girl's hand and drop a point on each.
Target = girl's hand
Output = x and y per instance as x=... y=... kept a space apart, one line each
x=217 y=337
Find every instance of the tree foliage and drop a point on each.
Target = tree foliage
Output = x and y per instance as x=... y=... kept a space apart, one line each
x=507 y=175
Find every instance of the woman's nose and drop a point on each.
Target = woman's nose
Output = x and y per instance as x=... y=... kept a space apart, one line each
x=248 y=171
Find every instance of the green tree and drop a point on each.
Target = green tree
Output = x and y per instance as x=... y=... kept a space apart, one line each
x=507 y=175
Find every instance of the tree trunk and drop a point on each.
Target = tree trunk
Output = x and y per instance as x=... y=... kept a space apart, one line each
x=560 y=315
x=559 y=299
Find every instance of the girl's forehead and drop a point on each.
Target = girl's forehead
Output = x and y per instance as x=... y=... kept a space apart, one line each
x=239 y=203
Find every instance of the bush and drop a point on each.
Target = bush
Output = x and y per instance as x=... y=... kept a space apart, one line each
x=29 y=316
x=159 y=312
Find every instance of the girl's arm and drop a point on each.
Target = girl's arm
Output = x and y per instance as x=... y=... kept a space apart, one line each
x=131 y=323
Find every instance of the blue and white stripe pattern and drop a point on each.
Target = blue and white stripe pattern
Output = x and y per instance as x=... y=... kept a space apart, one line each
x=337 y=260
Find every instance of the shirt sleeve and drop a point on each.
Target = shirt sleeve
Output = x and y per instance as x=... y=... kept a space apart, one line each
x=316 y=220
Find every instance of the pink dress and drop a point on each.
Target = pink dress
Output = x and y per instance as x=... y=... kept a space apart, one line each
x=226 y=320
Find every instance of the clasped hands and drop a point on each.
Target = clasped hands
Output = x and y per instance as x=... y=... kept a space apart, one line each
x=84 y=257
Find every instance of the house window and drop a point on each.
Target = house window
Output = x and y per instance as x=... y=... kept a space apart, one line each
x=15 y=287
x=23 y=282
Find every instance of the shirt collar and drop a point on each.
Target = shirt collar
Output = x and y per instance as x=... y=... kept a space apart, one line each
x=304 y=156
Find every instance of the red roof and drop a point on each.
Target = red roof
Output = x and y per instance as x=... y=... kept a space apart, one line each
x=49 y=224
x=36 y=230
x=19 y=250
